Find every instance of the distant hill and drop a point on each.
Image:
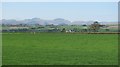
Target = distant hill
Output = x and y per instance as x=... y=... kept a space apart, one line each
x=57 y=21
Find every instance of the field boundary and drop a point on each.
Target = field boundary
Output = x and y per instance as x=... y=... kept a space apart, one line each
x=63 y=32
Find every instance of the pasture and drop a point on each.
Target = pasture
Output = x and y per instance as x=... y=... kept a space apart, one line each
x=59 y=49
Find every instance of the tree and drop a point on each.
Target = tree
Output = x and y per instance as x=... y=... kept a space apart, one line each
x=95 y=26
x=63 y=30
x=107 y=30
x=75 y=29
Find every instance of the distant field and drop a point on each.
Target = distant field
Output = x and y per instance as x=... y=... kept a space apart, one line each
x=79 y=28
x=60 y=48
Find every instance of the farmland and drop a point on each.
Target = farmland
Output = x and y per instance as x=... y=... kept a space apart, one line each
x=59 y=49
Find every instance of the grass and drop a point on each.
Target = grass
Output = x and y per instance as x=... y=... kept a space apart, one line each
x=60 y=49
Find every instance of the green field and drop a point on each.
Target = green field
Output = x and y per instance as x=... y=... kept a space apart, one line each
x=60 y=49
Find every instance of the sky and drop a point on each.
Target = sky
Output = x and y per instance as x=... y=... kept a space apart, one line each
x=60 y=0
x=73 y=11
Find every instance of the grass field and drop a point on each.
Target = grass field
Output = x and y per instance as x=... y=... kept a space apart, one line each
x=60 y=49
